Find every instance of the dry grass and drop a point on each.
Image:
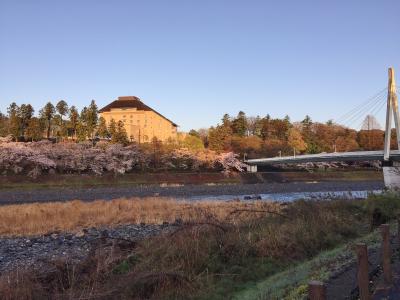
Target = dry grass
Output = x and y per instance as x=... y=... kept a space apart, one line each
x=40 y=218
x=219 y=249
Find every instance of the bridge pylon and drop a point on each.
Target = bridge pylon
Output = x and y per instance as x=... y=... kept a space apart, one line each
x=391 y=169
x=392 y=107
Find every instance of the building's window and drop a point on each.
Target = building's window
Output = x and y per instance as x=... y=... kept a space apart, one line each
x=138 y=121
x=131 y=116
x=124 y=116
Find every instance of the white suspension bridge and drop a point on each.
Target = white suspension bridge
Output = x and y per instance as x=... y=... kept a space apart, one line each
x=390 y=158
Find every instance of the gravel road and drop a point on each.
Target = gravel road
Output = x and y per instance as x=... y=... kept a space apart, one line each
x=15 y=196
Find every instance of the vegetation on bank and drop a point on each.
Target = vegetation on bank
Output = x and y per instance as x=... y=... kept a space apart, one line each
x=211 y=255
x=259 y=136
x=37 y=158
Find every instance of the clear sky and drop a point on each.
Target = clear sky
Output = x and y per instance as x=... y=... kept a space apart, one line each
x=193 y=61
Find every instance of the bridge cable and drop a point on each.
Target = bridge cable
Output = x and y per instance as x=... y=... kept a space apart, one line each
x=355 y=109
x=364 y=106
x=371 y=112
x=374 y=112
x=365 y=111
x=361 y=112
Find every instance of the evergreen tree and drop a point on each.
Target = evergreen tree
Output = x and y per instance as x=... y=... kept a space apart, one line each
x=102 y=130
x=82 y=132
x=112 y=127
x=25 y=113
x=219 y=138
x=47 y=114
x=120 y=136
x=3 y=125
x=239 y=124
x=35 y=129
x=73 y=120
x=14 y=122
x=62 y=109
x=226 y=121
x=265 y=127
x=91 y=119
x=194 y=133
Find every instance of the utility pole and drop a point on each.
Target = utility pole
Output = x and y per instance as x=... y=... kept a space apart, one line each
x=392 y=105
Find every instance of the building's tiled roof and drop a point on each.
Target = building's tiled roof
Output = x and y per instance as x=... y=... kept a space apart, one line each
x=131 y=102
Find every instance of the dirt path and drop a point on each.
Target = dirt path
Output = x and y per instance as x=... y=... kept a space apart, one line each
x=186 y=191
x=343 y=285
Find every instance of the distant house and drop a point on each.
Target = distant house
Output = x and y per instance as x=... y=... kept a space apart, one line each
x=142 y=123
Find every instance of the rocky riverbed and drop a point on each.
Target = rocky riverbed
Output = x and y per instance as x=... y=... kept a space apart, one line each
x=22 y=252
x=14 y=196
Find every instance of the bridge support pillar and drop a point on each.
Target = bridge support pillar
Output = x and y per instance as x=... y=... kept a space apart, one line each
x=252 y=168
x=391 y=174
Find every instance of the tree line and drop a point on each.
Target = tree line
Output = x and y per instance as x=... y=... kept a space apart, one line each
x=266 y=136
x=59 y=122
x=242 y=134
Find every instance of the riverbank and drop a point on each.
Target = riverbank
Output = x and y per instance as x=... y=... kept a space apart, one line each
x=210 y=255
x=182 y=178
x=181 y=191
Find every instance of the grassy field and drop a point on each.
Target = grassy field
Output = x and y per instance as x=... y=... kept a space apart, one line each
x=231 y=251
x=82 y=181
x=71 y=216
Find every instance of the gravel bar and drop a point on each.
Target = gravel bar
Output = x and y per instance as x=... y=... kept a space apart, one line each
x=16 y=196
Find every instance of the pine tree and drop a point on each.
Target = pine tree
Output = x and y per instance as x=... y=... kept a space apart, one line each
x=14 y=122
x=35 y=128
x=112 y=127
x=62 y=109
x=47 y=114
x=25 y=113
x=91 y=119
x=120 y=136
x=3 y=125
x=102 y=130
x=226 y=121
x=239 y=124
x=82 y=132
x=73 y=120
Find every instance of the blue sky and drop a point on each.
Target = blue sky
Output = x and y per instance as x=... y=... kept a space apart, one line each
x=193 y=61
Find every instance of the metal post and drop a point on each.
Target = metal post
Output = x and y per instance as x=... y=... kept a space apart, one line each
x=386 y=253
x=398 y=233
x=362 y=271
x=316 y=290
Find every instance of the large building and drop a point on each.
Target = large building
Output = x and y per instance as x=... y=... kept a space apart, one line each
x=142 y=123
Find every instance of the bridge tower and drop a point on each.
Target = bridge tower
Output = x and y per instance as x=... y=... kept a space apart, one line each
x=391 y=171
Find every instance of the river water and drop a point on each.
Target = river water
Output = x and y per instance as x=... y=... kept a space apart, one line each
x=288 y=197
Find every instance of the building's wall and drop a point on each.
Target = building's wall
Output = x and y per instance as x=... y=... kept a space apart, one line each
x=141 y=125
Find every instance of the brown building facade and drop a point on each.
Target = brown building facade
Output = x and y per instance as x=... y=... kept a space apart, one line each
x=142 y=123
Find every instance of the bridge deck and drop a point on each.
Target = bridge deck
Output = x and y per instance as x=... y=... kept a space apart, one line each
x=326 y=157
